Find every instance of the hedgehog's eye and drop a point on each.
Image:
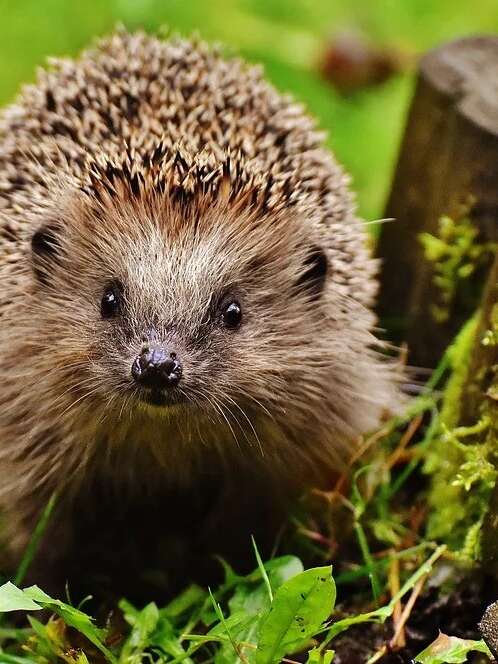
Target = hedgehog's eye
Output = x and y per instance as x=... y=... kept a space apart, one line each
x=112 y=298
x=231 y=314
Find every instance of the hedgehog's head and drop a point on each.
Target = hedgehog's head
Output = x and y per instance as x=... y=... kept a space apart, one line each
x=216 y=304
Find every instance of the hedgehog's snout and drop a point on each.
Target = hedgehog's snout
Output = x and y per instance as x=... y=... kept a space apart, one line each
x=157 y=368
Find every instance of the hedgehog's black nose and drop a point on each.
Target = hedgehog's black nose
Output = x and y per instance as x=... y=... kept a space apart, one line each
x=157 y=369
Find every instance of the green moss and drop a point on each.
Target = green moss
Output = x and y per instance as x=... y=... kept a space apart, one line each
x=459 y=354
x=454 y=510
x=490 y=336
x=464 y=459
x=471 y=549
x=456 y=254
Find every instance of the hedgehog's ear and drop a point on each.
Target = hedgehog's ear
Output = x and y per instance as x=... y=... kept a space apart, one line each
x=314 y=272
x=45 y=248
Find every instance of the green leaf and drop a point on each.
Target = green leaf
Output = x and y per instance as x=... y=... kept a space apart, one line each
x=282 y=569
x=298 y=610
x=81 y=658
x=13 y=598
x=48 y=639
x=187 y=601
x=251 y=594
x=143 y=623
x=316 y=656
x=152 y=628
x=72 y=617
x=251 y=601
x=15 y=659
x=243 y=629
x=450 y=650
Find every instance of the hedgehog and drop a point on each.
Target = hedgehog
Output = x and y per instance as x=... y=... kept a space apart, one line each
x=186 y=339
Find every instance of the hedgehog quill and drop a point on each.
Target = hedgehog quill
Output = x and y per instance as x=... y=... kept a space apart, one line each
x=186 y=324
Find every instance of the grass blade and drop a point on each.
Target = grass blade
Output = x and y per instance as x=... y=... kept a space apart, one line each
x=34 y=542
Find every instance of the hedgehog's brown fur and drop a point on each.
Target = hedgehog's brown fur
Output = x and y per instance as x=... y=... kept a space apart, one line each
x=183 y=174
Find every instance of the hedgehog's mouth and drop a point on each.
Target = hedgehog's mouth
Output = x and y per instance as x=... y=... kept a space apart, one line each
x=161 y=398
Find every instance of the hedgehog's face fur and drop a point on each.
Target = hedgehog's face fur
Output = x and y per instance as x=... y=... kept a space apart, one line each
x=230 y=307
x=210 y=293
x=152 y=318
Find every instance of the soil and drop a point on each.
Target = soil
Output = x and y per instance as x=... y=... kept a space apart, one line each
x=457 y=614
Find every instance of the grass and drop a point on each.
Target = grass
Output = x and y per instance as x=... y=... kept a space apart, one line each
x=259 y=626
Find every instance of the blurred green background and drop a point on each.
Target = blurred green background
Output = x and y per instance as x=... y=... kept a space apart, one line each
x=290 y=37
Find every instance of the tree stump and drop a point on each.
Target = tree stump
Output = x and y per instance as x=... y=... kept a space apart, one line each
x=448 y=167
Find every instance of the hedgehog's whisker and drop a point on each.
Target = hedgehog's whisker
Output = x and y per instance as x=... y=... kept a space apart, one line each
x=246 y=417
x=220 y=407
x=77 y=401
x=262 y=406
x=54 y=404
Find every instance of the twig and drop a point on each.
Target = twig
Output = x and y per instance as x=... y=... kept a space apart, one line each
x=398 y=640
x=405 y=439
x=359 y=452
x=378 y=655
x=407 y=611
x=398 y=607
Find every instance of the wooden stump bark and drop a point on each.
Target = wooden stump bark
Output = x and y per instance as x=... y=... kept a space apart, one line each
x=448 y=166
